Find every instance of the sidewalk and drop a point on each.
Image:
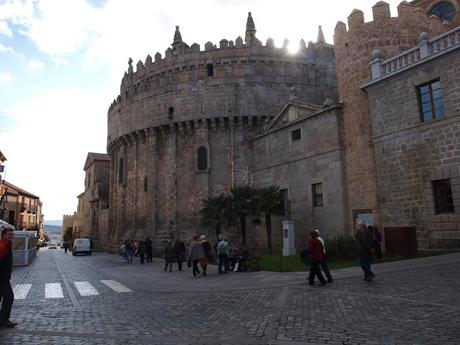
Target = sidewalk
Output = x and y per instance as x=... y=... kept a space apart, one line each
x=152 y=277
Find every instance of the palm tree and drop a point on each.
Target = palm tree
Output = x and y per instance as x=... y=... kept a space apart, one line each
x=214 y=212
x=269 y=201
x=242 y=205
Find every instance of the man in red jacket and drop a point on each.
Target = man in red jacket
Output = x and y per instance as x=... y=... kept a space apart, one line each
x=315 y=248
x=6 y=267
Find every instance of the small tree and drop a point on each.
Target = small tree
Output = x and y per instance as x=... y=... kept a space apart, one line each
x=67 y=234
x=242 y=205
x=269 y=201
x=214 y=212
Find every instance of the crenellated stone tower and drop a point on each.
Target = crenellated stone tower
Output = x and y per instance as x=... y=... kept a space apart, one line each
x=353 y=52
x=180 y=129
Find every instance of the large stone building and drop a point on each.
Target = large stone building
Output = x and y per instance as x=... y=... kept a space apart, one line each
x=196 y=123
x=414 y=102
x=91 y=220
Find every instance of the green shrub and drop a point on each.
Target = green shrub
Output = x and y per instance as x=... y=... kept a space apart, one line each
x=340 y=248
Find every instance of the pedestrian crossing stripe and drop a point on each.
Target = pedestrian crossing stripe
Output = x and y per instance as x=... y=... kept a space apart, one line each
x=54 y=290
x=85 y=289
x=21 y=291
x=116 y=286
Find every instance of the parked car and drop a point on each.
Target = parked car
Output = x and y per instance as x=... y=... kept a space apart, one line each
x=52 y=246
x=82 y=245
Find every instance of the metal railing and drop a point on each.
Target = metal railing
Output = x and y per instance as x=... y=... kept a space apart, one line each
x=425 y=48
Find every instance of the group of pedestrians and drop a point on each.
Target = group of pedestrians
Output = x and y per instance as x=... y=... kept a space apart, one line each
x=200 y=253
x=367 y=244
x=142 y=249
x=174 y=253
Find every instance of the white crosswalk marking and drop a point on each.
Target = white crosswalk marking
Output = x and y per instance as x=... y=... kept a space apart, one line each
x=21 y=291
x=53 y=290
x=85 y=289
x=116 y=286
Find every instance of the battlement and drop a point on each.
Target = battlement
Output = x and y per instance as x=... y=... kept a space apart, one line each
x=181 y=58
x=408 y=15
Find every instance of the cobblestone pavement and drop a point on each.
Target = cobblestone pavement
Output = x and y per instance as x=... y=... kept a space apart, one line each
x=416 y=304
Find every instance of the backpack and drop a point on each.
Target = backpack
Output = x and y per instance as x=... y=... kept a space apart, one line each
x=221 y=248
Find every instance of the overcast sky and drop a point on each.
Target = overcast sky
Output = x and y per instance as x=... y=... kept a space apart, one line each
x=61 y=63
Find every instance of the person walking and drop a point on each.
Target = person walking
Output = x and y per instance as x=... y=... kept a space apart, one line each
x=65 y=244
x=223 y=252
x=169 y=255
x=6 y=268
x=124 y=251
x=315 y=248
x=179 y=249
x=195 y=254
x=324 y=261
x=141 y=251
x=148 y=249
x=132 y=251
x=207 y=253
x=377 y=242
x=364 y=243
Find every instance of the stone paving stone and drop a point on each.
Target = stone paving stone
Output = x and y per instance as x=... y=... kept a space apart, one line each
x=415 y=306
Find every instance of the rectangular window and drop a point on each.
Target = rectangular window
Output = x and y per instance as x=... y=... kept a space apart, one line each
x=442 y=192
x=431 y=101
x=296 y=134
x=210 y=68
x=317 y=194
x=171 y=112
x=145 y=184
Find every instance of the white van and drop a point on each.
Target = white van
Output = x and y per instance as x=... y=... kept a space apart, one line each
x=5 y=225
x=81 y=245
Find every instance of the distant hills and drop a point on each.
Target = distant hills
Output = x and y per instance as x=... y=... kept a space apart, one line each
x=53 y=222
x=54 y=232
x=53 y=229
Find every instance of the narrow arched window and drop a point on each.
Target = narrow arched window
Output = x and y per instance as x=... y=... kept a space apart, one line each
x=202 y=158
x=120 y=171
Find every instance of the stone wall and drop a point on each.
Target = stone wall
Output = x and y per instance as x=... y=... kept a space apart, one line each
x=318 y=159
x=172 y=106
x=353 y=48
x=410 y=154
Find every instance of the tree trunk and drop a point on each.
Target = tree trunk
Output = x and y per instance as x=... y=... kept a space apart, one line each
x=268 y=227
x=243 y=229
x=217 y=230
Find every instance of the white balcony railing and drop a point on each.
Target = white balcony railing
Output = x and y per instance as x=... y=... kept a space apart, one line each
x=425 y=49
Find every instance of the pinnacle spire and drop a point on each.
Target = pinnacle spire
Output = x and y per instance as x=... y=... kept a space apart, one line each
x=250 y=36
x=250 y=23
x=177 y=36
x=320 y=38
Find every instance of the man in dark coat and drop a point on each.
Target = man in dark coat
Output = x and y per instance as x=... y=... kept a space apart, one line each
x=148 y=249
x=364 y=246
x=6 y=268
x=179 y=249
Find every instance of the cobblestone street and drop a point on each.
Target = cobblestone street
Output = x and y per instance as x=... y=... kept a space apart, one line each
x=412 y=302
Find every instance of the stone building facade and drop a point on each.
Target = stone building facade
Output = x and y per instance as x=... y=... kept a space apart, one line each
x=181 y=129
x=415 y=113
x=301 y=151
x=353 y=52
x=198 y=122
x=91 y=218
